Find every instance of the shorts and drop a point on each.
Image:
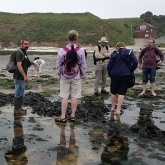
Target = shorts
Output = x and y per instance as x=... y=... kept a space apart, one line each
x=119 y=85
x=149 y=74
x=70 y=87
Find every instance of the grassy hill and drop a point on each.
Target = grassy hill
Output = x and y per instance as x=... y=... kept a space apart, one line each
x=51 y=29
x=125 y=25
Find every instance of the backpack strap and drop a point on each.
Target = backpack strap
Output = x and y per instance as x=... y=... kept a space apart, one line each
x=106 y=47
x=67 y=49
x=14 y=57
x=99 y=47
x=19 y=50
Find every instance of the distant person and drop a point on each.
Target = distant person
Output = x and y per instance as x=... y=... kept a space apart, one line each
x=102 y=53
x=70 y=66
x=147 y=60
x=20 y=76
x=38 y=64
x=119 y=72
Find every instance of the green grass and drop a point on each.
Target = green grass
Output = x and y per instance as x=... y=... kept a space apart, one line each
x=53 y=28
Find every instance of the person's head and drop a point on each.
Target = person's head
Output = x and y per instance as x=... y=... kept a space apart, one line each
x=120 y=45
x=25 y=44
x=103 y=41
x=73 y=36
x=36 y=58
x=151 y=42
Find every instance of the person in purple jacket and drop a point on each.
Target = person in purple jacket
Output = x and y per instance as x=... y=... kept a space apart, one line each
x=70 y=85
x=118 y=69
x=147 y=61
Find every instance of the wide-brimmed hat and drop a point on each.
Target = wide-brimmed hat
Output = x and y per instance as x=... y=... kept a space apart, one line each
x=103 y=39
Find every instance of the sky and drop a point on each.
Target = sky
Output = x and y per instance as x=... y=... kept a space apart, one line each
x=104 y=9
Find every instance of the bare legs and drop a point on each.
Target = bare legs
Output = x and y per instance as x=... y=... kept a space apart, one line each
x=119 y=99
x=152 y=89
x=74 y=107
x=144 y=89
x=113 y=100
x=65 y=105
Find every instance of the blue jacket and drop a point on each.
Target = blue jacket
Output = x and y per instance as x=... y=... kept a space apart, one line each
x=121 y=62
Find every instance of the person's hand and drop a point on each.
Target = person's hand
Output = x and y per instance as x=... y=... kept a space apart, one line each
x=26 y=79
x=140 y=66
x=158 y=63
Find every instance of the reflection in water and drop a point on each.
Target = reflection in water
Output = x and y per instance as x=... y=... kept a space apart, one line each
x=112 y=117
x=67 y=155
x=145 y=126
x=117 y=148
x=16 y=155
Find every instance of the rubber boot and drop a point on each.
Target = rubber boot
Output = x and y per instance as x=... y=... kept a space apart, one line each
x=18 y=107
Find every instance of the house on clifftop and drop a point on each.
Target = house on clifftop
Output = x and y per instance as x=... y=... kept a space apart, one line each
x=146 y=30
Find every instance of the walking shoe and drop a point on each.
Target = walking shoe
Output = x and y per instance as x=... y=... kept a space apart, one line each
x=104 y=91
x=96 y=93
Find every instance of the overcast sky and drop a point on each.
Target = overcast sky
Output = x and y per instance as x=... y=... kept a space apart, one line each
x=103 y=9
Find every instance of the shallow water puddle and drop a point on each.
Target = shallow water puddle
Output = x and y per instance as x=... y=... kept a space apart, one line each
x=39 y=139
x=33 y=139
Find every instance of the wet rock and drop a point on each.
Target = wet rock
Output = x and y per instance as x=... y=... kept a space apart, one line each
x=6 y=99
x=87 y=110
x=145 y=126
x=94 y=134
x=2 y=75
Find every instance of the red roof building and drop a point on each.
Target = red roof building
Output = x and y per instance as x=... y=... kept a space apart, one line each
x=146 y=30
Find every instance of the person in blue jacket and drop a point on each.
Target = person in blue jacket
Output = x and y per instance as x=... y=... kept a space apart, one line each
x=120 y=62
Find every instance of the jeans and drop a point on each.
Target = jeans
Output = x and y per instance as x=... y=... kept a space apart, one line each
x=149 y=72
x=19 y=88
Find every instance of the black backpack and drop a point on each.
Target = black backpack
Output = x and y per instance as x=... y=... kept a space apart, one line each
x=71 y=62
x=11 y=66
x=96 y=59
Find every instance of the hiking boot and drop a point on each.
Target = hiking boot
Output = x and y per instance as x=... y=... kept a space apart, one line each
x=104 y=91
x=96 y=93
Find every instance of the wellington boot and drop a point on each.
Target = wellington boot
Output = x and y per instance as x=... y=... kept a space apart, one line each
x=18 y=110
x=18 y=113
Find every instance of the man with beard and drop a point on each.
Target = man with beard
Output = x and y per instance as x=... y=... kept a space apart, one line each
x=20 y=76
x=148 y=62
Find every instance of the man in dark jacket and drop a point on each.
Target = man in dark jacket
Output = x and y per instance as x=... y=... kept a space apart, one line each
x=118 y=69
